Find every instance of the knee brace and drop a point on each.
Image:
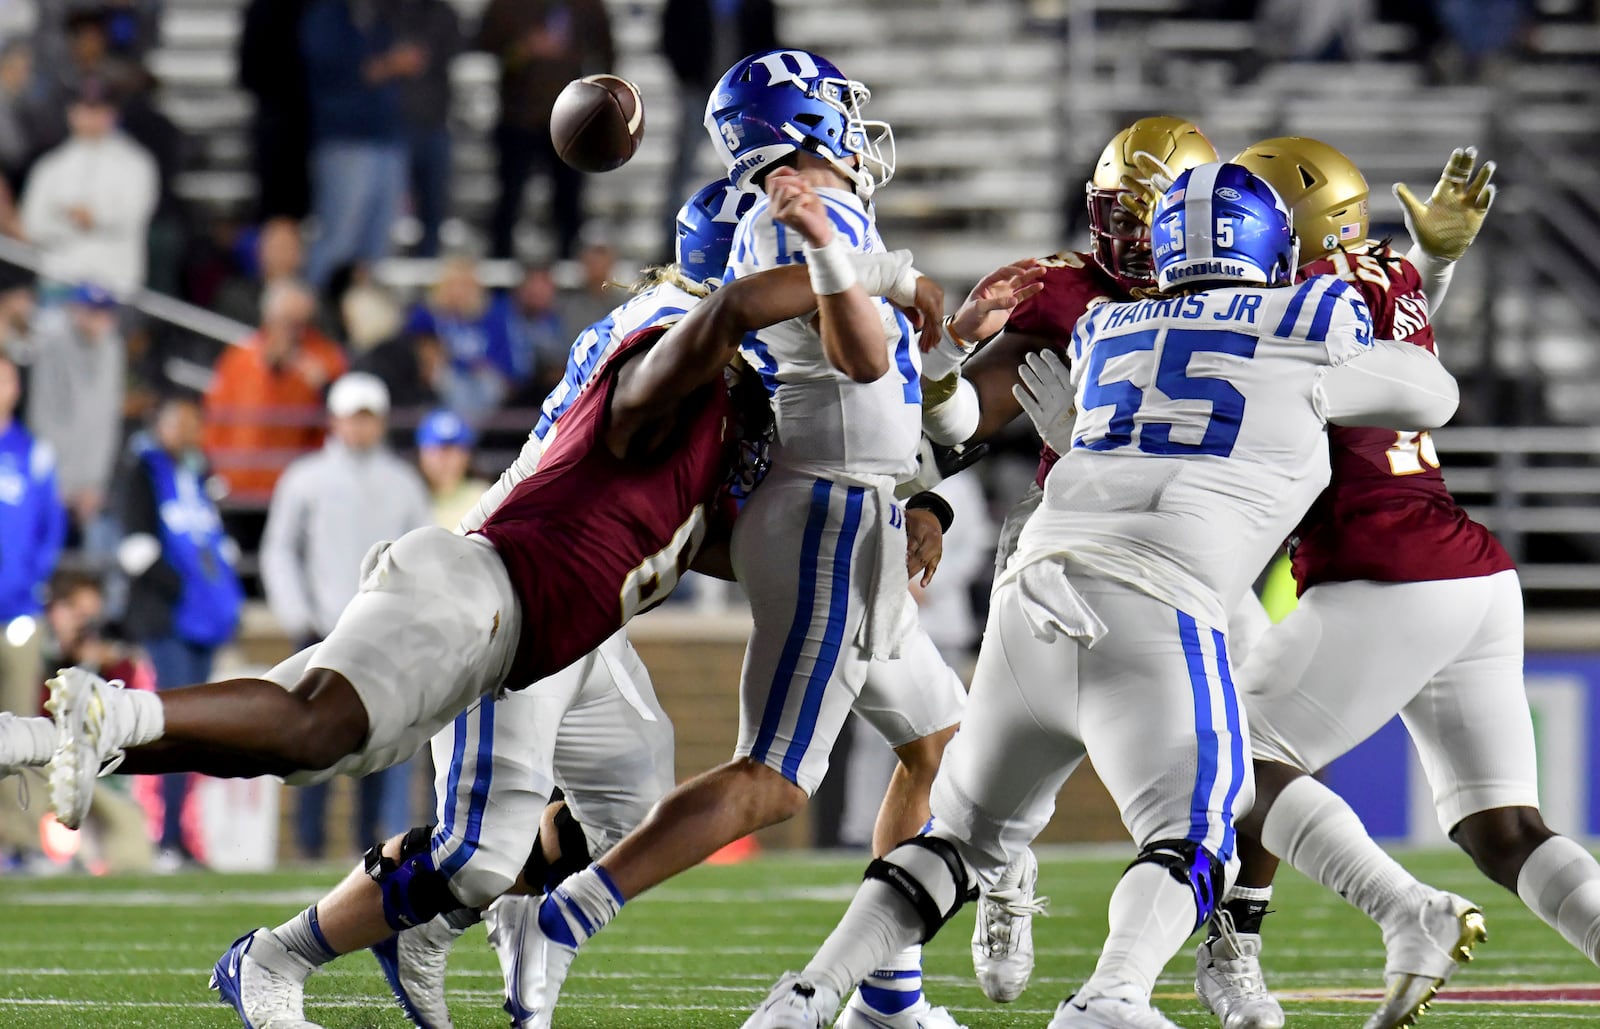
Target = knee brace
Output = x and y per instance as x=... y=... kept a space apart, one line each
x=541 y=874
x=1192 y=865
x=930 y=875
x=414 y=891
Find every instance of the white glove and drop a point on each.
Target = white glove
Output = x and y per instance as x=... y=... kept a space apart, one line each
x=1045 y=392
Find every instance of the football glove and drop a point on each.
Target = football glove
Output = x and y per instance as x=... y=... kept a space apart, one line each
x=1045 y=392
x=1445 y=225
x=1140 y=195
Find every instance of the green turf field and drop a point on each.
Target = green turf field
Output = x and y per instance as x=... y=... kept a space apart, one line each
x=702 y=951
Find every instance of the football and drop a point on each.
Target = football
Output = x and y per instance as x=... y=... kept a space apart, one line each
x=597 y=122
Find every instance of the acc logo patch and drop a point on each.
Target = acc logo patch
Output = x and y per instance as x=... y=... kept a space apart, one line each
x=1228 y=193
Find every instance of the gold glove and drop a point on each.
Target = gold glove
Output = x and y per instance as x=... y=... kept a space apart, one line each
x=1445 y=226
x=1140 y=195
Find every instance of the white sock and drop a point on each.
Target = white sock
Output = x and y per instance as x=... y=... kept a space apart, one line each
x=1151 y=914
x=1316 y=832
x=149 y=717
x=1560 y=882
x=896 y=984
x=580 y=907
x=879 y=924
x=1259 y=894
x=302 y=936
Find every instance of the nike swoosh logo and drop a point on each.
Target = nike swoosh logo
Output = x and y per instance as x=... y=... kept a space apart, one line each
x=233 y=964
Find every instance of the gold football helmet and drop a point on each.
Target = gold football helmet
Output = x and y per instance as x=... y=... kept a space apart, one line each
x=1120 y=241
x=1323 y=188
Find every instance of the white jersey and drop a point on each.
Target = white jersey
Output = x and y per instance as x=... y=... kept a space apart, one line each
x=662 y=304
x=825 y=423
x=1200 y=437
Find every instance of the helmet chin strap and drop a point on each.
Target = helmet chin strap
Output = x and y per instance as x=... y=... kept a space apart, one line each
x=857 y=174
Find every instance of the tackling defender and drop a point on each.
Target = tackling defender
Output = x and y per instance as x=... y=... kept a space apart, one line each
x=1200 y=439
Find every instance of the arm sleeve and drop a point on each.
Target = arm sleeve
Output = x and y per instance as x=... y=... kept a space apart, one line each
x=525 y=465
x=1435 y=273
x=1391 y=385
x=282 y=573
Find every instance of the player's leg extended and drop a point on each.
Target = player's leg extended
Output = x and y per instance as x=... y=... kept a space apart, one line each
x=1474 y=733
x=915 y=702
x=613 y=755
x=985 y=811
x=1326 y=678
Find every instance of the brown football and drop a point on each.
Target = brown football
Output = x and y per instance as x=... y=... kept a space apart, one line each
x=597 y=122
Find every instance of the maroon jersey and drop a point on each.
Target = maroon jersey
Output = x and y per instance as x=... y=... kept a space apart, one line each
x=1386 y=515
x=1073 y=283
x=590 y=539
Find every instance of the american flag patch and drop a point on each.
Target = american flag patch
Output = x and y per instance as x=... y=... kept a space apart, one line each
x=1175 y=196
x=1349 y=231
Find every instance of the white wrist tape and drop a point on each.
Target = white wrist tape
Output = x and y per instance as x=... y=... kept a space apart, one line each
x=831 y=269
x=955 y=420
x=888 y=275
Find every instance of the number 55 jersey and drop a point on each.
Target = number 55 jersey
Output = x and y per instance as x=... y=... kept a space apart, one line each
x=1387 y=515
x=1200 y=435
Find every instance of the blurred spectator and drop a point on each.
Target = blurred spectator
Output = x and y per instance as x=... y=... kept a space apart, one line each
x=264 y=405
x=477 y=339
x=425 y=108
x=25 y=124
x=75 y=397
x=274 y=253
x=701 y=39
x=444 y=453
x=354 y=68
x=413 y=365
x=541 y=338
x=16 y=308
x=1480 y=31
x=597 y=294
x=184 y=595
x=273 y=72
x=370 y=315
x=33 y=526
x=328 y=510
x=88 y=202
x=1288 y=30
x=542 y=45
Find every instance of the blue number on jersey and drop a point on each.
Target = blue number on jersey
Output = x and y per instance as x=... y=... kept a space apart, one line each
x=911 y=382
x=1173 y=379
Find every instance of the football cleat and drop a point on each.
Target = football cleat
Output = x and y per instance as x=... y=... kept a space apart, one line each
x=414 y=963
x=1002 y=938
x=1432 y=943
x=1109 y=1011
x=263 y=982
x=533 y=964
x=858 y=1014
x=795 y=1003
x=1228 y=979
x=93 y=723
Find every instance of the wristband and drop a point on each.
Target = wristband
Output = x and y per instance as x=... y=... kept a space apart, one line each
x=934 y=504
x=831 y=268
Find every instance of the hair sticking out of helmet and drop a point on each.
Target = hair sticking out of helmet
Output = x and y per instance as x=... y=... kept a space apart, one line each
x=1323 y=187
x=1219 y=225
x=1121 y=242
x=781 y=102
x=705 y=228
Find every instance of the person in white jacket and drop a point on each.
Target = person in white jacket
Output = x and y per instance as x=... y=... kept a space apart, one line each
x=88 y=202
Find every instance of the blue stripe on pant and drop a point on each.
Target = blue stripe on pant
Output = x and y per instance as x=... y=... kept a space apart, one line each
x=484 y=760
x=1209 y=725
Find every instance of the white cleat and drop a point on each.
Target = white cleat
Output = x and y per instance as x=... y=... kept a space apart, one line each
x=263 y=982
x=1002 y=939
x=858 y=1014
x=1109 y=1011
x=1433 y=942
x=1228 y=979
x=414 y=963
x=534 y=965
x=795 y=1003
x=94 y=721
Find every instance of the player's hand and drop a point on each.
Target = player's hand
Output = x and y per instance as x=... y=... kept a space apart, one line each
x=924 y=545
x=796 y=206
x=1045 y=392
x=1445 y=225
x=1141 y=193
x=989 y=305
x=926 y=312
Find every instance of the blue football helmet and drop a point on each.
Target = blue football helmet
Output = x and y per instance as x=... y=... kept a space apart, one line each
x=772 y=104
x=1221 y=225
x=705 y=229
